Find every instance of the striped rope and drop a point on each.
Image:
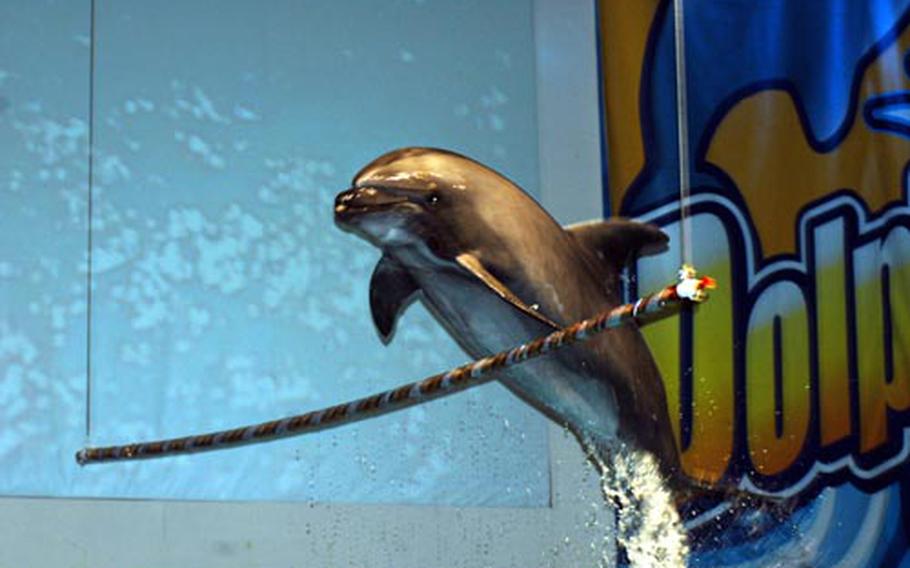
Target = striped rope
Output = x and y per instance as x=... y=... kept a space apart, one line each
x=689 y=289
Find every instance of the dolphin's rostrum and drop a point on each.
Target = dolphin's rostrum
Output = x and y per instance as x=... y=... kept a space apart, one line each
x=496 y=270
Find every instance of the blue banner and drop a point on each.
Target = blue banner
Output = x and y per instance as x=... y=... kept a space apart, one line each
x=795 y=379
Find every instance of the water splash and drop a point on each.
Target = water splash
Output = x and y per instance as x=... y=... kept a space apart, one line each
x=648 y=526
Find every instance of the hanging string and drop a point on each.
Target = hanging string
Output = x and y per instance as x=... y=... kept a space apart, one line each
x=682 y=128
x=89 y=214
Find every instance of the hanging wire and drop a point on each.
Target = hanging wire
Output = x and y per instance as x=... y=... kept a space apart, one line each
x=682 y=128
x=88 y=271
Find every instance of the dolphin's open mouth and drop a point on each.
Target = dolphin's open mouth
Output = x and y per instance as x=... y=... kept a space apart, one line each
x=359 y=200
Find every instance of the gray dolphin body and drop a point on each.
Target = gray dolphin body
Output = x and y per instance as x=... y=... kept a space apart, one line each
x=496 y=270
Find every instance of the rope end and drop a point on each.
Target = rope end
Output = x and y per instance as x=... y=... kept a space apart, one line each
x=82 y=456
x=692 y=287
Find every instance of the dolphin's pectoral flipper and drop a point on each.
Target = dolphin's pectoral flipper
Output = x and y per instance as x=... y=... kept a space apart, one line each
x=473 y=265
x=391 y=290
x=617 y=240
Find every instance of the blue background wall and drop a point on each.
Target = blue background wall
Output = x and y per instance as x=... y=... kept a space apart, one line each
x=223 y=293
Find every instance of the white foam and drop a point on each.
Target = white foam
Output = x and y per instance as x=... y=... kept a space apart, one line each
x=648 y=526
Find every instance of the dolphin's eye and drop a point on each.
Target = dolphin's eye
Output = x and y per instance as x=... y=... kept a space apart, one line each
x=433 y=199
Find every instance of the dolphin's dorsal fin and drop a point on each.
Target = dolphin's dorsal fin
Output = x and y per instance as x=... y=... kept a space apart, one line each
x=617 y=240
x=473 y=265
x=391 y=290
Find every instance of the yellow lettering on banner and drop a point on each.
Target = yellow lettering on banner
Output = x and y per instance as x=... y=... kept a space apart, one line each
x=897 y=249
x=831 y=323
x=772 y=453
x=876 y=394
x=711 y=445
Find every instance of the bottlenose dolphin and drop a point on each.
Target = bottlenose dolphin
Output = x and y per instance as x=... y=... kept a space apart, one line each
x=496 y=270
